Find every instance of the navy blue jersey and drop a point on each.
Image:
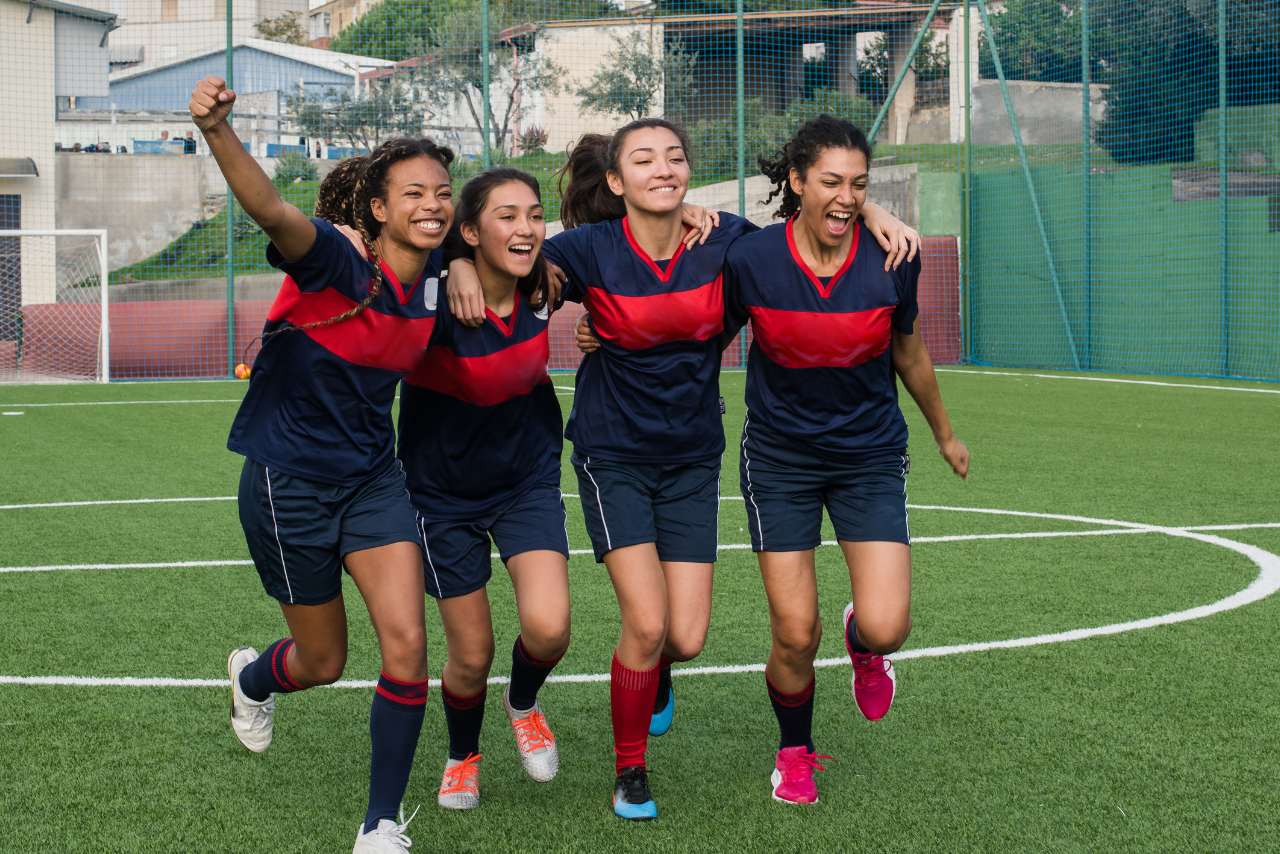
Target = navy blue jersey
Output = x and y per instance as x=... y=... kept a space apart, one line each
x=479 y=420
x=819 y=369
x=319 y=400
x=650 y=394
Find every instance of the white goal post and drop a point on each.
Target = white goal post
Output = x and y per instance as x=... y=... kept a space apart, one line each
x=54 y=323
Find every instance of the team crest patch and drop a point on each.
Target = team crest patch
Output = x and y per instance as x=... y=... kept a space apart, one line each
x=429 y=293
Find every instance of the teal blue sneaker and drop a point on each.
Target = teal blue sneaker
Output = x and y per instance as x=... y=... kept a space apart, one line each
x=662 y=716
x=631 y=798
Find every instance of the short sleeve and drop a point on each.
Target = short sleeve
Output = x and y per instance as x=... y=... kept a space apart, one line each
x=904 y=316
x=735 y=307
x=331 y=262
x=570 y=250
x=442 y=332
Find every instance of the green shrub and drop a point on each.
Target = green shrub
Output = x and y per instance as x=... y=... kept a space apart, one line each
x=292 y=167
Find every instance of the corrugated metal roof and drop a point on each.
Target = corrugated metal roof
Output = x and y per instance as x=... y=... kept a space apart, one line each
x=342 y=63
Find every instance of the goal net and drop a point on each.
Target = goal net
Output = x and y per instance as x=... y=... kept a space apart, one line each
x=53 y=306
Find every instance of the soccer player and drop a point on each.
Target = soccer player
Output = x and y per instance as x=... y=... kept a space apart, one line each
x=831 y=329
x=321 y=489
x=480 y=438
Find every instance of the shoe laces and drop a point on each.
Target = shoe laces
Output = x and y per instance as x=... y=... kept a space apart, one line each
x=463 y=777
x=868 y=671
x=635 y=785
x=259 y=714
x=395 y=833
x=799 y=767
x=532 y=732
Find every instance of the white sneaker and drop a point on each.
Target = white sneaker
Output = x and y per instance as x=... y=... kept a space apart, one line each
x=460 y=786
x=537 y=746
x=251 y=719
x=387 y=838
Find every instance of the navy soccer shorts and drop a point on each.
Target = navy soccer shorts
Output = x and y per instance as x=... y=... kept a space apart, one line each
x=456 y=556
x=299 y=530
x=785 y=487
x=675 y=506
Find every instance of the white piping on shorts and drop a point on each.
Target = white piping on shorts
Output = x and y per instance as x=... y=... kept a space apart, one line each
x=266 y=472
x=906 y=514
x=422 y=531
x=751 y=492
x=599 y=503
x=565 y=511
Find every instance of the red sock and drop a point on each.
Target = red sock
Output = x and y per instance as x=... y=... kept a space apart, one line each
x=631 y=696
x=665 y=661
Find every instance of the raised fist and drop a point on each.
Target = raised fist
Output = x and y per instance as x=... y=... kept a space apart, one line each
x=211 y=103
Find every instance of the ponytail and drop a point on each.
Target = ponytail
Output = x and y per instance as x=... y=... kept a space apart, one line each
x=587 y=198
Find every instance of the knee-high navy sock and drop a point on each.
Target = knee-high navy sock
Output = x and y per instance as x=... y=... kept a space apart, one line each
x=269 y=674
x=795 y=715
x=664 y=683
x=463 y=716
x=395 y=722
x=851 y=636
x=528 y=672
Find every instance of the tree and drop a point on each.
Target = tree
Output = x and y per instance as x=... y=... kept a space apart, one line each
x=392 y=29
x=634 y=72
x=453 y=73
x=874 y=71
x=284 y=28
x=387 y=108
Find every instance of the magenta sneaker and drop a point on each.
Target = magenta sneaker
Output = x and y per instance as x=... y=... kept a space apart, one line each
x=793 y=776
x=873 y=678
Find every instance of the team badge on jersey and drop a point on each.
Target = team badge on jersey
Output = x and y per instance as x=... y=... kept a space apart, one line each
x=431 y=286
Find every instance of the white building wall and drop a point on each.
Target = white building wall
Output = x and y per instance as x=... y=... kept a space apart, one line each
x=27 y=103
x=193 y=25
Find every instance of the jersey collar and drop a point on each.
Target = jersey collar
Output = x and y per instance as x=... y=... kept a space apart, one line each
x=823 y=290
x=509 y=327
x=401 y=294
x=664 y=276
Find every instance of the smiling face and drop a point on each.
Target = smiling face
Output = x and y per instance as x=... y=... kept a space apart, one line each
x=653 y=171
x=831 y=194
x=508 y=233
x=416 y=207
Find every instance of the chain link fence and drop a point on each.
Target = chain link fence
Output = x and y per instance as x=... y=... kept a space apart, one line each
x=1096 y=180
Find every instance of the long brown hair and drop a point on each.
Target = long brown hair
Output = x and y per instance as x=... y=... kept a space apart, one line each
x=471 y=203
x=337 y=191
x=587 y=198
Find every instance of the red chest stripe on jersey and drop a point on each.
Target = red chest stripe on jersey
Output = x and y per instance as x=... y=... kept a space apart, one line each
x=486 y=380
x=823 y=290
x=639 y=322
x=370 y=339
x=814 y=339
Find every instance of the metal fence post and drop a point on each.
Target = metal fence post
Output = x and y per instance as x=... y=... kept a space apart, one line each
x=742 y=119
x=231 y=226
x=1224 y=261
x=1086 y=137
x=484 y=59
x=1031 y=187
x=966 y=210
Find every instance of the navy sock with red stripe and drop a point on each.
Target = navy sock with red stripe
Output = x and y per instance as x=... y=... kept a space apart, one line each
x=395 y=722
x=795 y=715
x=463 y=716
x=269 y=674
x=528 y=672
x=851 y=638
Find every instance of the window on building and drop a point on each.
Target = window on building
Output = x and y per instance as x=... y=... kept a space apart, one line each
x=168 y=10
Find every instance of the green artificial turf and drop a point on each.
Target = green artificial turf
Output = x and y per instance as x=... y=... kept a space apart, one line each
x=1153 y=740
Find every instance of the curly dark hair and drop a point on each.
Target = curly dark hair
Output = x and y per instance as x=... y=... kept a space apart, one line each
x=587 y=198
x=803 y=150
x=471 y=203
x=337 y=191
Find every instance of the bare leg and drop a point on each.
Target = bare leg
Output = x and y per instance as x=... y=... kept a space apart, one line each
x=390 y=580
x=541 y=581
x=689 y=603
x=641 y=587
x=319 y=651
x=880 y=574
x=468 y=632
x=791 y=583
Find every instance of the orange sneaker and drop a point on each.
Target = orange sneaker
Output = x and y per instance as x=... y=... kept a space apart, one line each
x=460 y=788
x=537 y=746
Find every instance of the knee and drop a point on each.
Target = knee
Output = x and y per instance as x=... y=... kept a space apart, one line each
x=405 y=645
x=324 y=668
x=798 y=639
x=883 y=636
x=648 y=636
x=685 y=646
x=473 y=664
x=546 y=638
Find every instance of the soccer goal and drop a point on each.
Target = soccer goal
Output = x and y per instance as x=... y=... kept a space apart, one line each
x=53 y=306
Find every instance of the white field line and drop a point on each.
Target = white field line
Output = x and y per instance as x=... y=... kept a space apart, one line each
x=1265 y=584
x=1106 y=380
x=119 y=402
x=116 y=501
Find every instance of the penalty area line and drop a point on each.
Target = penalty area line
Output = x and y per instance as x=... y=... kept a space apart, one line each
x=1107 y=380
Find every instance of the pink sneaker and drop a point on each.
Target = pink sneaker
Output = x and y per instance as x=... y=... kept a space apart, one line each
x=873 y=678
x=793 y=776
